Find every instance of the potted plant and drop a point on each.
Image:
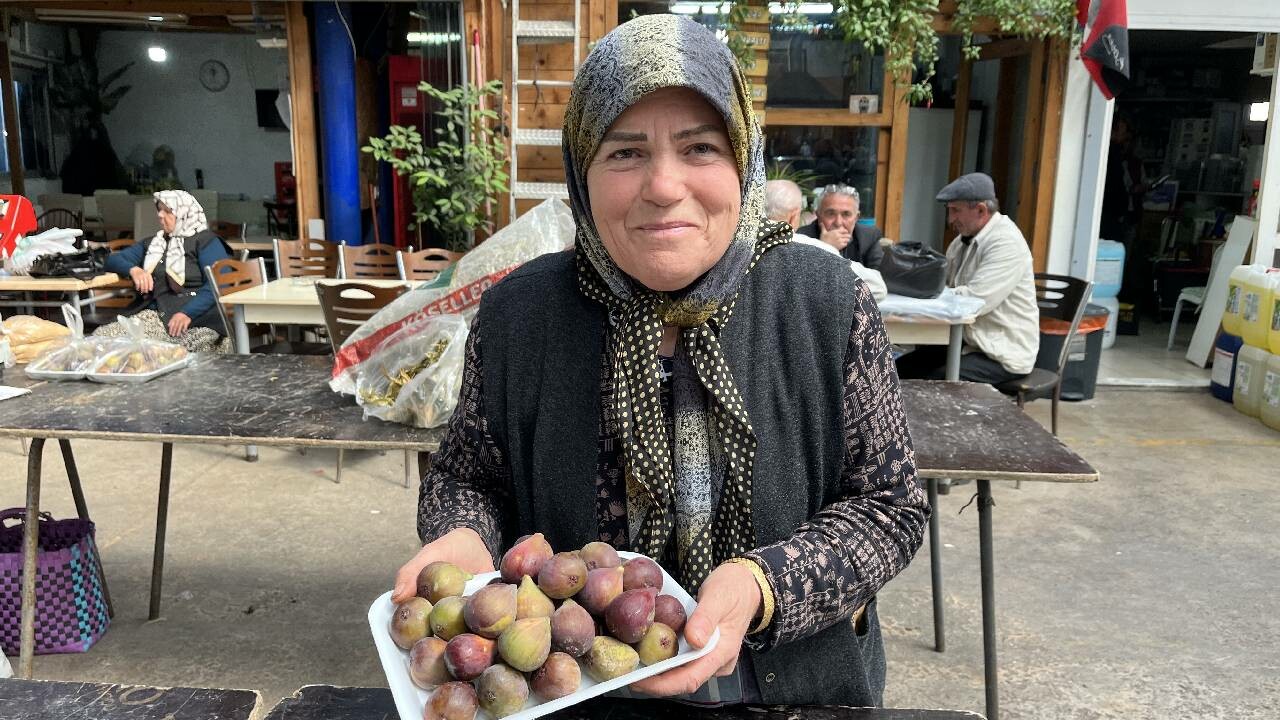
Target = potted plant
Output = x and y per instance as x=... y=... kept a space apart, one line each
x=456 y=180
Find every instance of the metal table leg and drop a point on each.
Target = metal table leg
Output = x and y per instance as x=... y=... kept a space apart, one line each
x=990 y=667
x=935 y=569
x=82 y=510
x=30 y=536
x=242 y=348
x=954 y=346
x=162 y=518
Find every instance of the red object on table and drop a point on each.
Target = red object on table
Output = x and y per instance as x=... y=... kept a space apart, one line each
x=17 y=218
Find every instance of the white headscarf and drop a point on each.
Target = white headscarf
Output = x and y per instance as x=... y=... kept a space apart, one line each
x=171 y=248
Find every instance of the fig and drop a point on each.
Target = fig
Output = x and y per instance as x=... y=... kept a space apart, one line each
x=525 y=558
x=603 y=585
x=610 y=658
x=630 y=615
x=446 y=618
x=532 y=602
x=526 y=644
x=426 y=663
x=452 y=701
x=640 y=572
x=490 y=610
x=599 y=555
x=558 y=676
x=562 y=576
x=468 y=655
x=409 y=622
x=659 y=644
x=502 y=691
x=440 y=580
x=666 y=610
x=572 y=629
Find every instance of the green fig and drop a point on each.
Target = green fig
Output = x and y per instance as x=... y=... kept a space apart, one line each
x=532 y=602
x=409 y=622
x=440 y=580
x=659 y=644
x=599 y=555
x=502 y=691
x=610 y=658
x=526 y=643
x=446 y=618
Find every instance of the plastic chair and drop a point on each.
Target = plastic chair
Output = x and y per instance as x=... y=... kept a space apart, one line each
x=311 y=258
x=373 y=262
x=1191 y=296
x=424 y=265
x=1060 y=297
x=347 y=306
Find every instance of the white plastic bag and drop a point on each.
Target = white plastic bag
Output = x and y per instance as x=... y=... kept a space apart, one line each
x=58 y=241
x=68 y=360
x=137 y=358
x=414 y=379
x=948 y=306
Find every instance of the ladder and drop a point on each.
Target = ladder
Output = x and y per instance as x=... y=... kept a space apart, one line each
x=537 y=32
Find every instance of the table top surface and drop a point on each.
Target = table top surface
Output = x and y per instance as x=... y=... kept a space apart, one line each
x=252 y=244
x=925 y=320
x=972 y=431
x=281 y=400
x=53 y=700
x=26 y=283
x=294 y=291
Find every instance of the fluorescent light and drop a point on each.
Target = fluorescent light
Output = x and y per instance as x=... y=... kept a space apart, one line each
x=1258 y=112
x=157 y=53
x=433 y=38
x=156 y=18
x=693 y=8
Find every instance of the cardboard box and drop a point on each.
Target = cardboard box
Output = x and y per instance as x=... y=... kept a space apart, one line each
x=1264 y=52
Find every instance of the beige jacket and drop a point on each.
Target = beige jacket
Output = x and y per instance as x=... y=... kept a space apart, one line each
x=996 y=267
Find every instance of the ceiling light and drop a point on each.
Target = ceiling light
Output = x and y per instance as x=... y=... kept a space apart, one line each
x=156 y=18
x=1258 y=112
x=157 y=53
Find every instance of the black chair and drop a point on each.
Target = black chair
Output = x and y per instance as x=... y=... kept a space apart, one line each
x=1062 y=298
x=59 y=218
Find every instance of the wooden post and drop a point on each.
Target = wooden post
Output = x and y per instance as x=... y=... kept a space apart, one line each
x=1031 y=139
x=897 y=158
x=13 y=145
x=882 y=173
x=1055 y=87
x=959 y=131
x=1004 y=124
x=306 y=170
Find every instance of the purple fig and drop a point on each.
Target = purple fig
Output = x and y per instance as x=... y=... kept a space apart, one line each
x=610 y=658
x=599 y=555
x=409 y=622
x=562 y=576
x=426 y=663
x=440 y=580
x=558 y=676
x=668 y=611
x=526 y=644
x=603 y=585
x=490 y=610
x=659 y=644
x=640 y=572
x=532 y=602
x=630 y=615
x=524 y=558
x=502 y=691
x=446 y=618
x=452 y=701
x=468 y=655
x=572 y=629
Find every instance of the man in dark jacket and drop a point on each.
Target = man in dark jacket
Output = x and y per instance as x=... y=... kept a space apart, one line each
x=837 y=225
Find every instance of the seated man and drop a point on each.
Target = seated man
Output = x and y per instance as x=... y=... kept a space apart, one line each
x=783 y=202
x=837 y=225
x=989 y=260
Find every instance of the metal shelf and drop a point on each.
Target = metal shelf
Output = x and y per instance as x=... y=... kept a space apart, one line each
x=546 y=29
x=539 y=191
x=548 y=138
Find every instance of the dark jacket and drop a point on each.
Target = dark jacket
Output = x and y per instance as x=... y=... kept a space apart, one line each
x=197 y=299
x=863 y=247
x=541 y=375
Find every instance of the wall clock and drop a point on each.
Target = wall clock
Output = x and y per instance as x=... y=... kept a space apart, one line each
x=214 y=75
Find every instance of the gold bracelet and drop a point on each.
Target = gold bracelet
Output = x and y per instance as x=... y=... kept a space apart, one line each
x=767 y=601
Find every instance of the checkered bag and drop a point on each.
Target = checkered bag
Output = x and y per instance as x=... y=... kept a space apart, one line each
x=71 y=611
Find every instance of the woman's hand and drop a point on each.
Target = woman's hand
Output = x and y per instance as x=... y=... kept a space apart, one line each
x=462 y=547
x=729 y=600
x=142 y=280
x=178 y=324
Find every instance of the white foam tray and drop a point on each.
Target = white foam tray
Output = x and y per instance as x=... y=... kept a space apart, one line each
x=141 y=377
x=412 y=700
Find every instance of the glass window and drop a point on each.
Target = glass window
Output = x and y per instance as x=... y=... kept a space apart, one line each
x=34 y=134
x=823 y=155
x=812 y=65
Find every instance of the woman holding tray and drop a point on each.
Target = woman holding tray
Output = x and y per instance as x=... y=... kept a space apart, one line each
x=690 y=385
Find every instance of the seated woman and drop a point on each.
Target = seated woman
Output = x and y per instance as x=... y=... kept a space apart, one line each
x=175 y=301
x=689 y=384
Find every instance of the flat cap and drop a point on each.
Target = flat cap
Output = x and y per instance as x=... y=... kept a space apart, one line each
x=974 y=187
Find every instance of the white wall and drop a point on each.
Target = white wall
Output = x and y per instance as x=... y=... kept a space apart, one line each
x=215 y=131
x=1242 y=15
x=928 y=161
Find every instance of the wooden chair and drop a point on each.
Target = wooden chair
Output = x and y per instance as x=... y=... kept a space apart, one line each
x=59 y=218
x=373 y=261
x=298 y=258
x=109 y=301
x=1062 y=298
x=347 y=306
x=424 y=265
x=228 y=230
x=228 y=276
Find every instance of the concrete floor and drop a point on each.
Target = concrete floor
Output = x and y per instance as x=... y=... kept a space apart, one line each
x=1147 y=595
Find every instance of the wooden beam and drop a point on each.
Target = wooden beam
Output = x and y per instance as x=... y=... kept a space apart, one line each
x=1003 y=139
x=162 y=7
x=959 y=130
x=13 y=146
x=896 y=180
x=1031 y=139
x=882 y=173
x=827 y=116
x=944 y=25
x=1006 y=48
x=1055 y=81
x=306 y=169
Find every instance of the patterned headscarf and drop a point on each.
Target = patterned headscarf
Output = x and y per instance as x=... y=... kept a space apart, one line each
x=172 y=247
x=674 y=491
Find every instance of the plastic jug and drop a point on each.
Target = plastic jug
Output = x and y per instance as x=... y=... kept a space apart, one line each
x=1270 y=406
x=1235 y=289
x=1222 y=381
x=1113 y=315
x=1108 y=270
x=1251 y=368
x=1255 y=304
x=1273 y=335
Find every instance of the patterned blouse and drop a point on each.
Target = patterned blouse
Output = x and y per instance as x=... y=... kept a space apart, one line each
x=832 y=566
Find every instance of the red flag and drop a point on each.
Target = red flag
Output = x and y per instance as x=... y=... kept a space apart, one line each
x=1105 y=50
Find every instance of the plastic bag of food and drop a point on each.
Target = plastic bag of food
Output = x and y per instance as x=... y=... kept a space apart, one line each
x=415 y=378
x=137 y=358
x=56 y=241
x=71 y=356
x=545 y=229
x=30 y=336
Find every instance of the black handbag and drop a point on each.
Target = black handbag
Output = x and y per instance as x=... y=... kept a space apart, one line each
x=913 y=270
x=81 y=265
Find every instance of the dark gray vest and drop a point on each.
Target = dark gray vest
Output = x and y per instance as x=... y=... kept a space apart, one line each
x=785 y=343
